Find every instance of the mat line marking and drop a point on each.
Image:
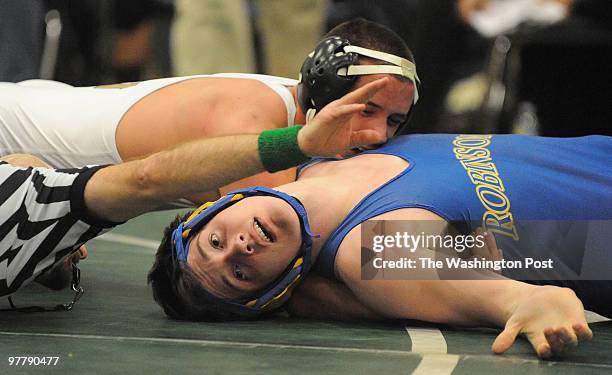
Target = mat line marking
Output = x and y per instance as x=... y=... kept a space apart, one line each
x=431 y=345
x=129 y=240
x=240 y=344
x=290 y=346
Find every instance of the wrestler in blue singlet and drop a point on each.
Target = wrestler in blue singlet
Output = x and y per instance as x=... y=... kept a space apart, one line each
x=541 y=197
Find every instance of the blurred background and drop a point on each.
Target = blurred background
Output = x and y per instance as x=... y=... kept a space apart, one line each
x=486 y=66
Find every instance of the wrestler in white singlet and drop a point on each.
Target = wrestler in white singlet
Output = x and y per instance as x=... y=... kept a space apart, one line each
x=75 y=126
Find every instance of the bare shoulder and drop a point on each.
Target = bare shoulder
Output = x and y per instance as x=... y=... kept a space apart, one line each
x=198 y=108
x=254 y=102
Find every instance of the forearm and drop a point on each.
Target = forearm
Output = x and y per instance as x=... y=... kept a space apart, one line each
x=127 y=190
x=472 y=303
x=463 y=302
x=199 y=166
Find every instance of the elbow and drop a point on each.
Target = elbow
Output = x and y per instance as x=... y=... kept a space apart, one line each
x=147 y=181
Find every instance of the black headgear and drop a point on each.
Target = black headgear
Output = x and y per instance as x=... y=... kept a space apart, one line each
x=331 y=70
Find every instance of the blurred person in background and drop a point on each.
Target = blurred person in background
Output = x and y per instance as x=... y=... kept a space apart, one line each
x=21 y=39
x=84 y=42
x=212 y=36
x=140 y=45
x=565 y=71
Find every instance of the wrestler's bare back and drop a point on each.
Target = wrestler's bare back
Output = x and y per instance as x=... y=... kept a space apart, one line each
x=198 y=107
x=202 y=107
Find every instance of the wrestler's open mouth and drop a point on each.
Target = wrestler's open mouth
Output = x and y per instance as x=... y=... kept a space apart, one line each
x=262 y=231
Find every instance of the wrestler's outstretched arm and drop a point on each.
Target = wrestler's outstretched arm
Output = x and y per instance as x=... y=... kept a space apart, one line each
x=318 y=297
x=551 y=318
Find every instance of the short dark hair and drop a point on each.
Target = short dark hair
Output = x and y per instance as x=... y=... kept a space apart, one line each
x=363 y=33
x=177 y=289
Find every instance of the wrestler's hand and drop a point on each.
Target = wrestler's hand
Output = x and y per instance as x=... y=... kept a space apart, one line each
x=551 y=318
x=330 y=132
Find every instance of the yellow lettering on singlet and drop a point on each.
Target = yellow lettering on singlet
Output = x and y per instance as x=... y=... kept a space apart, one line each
x=476 y=159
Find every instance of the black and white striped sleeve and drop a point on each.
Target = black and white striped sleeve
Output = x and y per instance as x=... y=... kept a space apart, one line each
x=43 y=218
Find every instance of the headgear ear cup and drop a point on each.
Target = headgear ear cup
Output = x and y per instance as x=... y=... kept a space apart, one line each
x=320 y=83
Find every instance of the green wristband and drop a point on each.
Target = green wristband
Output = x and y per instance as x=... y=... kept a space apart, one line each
x=279 y=150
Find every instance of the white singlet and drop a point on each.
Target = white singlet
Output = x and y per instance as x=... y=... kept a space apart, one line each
x=71 y=127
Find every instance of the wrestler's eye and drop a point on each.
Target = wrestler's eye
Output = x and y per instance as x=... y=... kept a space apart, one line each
x=238 y=273
x=214 y=240
x=395 y=120
x=393 y=123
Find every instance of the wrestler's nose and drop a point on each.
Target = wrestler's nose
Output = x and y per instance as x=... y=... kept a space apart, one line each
x=241 y=245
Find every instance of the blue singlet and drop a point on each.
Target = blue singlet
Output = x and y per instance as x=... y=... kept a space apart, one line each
x=542 y=197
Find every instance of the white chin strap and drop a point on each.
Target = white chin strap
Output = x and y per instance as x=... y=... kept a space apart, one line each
x=310 y=114
x=400 y=66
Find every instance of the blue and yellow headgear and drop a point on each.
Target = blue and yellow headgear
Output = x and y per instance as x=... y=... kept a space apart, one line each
x=280 y=290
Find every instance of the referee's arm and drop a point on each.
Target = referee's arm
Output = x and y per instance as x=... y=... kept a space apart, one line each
x=120 y=192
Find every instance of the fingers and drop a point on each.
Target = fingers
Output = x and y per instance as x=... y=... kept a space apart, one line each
x=83 y=252
x=505 y=339
x=558 y=340
x=583 y=331
x=365 y=92
x=540 y=344
x=346 y=110
x=543 y=350
x=78 y=255
x=553 y=341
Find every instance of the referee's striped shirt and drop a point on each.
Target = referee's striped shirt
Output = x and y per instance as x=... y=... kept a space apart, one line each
x=43 y=218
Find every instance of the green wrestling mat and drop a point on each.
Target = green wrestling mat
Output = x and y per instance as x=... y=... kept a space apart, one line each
x=116 y=328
